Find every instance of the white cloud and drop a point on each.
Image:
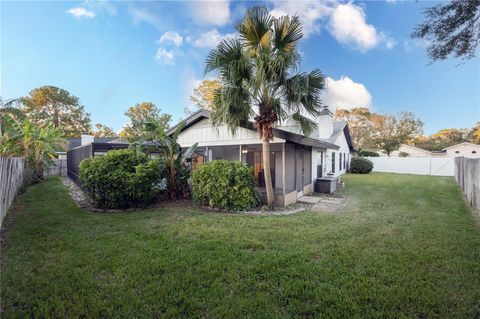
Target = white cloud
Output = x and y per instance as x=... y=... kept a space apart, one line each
x=346 y=94
x=210 y=39
x=163 y=56
x=171 y=36
x=348 y=26
x=211 y=12
x=144 y=15
x=311 y=13
x=81 y=13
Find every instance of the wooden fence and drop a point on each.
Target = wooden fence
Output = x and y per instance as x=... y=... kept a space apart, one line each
x=59 y=168
x=467 y=174
x=11 y=179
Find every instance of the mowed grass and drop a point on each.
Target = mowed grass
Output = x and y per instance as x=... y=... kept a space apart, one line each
x=404 y=247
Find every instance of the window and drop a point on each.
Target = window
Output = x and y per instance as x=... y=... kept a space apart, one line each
x=457 y=152
x=333 y=162
x=474 y=152
x=339 y=161
x=344 y=160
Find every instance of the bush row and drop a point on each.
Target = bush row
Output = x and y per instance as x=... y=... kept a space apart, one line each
x=224 y=184
x=121 y=179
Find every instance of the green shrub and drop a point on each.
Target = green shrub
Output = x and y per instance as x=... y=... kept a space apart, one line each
x=121 y=179
x=403 y=154
x=224 y=184
x=368 y=153
x=360 y=165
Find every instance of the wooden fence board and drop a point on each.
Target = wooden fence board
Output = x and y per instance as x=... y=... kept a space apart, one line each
x=11 y=179
x=59 y=168
x=467 y=175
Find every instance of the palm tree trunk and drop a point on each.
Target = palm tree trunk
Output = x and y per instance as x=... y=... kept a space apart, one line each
x=266 y=172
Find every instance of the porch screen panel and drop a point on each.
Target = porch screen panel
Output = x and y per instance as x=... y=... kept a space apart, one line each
x=307 y=166
x=333 y=162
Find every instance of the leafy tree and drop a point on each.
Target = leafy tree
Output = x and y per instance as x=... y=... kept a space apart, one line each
x=140 y=115
x=451 y=29
x=10 y=108
x=49 y=105
x=445 y=138
x=175 y=160
x=392 y=131
x=359 y=123
x=37 y=144
x=103 y=131
x=203 y=95
x=259 y=77
x=474 y=134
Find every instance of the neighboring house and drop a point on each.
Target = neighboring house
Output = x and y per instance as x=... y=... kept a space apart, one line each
x=86 y=139
x=463 y=149
x=413 y=151
x=296 y=160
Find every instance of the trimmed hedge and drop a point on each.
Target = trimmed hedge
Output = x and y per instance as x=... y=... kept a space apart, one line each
x=360 y=165
x=367 y=153
x=224 y=184
x=121 y=179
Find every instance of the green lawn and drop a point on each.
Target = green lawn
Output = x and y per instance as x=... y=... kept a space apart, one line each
x=405 y=246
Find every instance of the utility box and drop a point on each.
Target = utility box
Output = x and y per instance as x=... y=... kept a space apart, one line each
x=327 y=185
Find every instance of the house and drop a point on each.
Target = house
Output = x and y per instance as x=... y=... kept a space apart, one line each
x=464 y=149
x=296 y=160
x=86 y=139
x=413 y=151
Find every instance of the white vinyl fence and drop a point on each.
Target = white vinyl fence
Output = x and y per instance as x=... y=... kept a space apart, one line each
x=11 y=178
x=444 y=166
x=467 y=174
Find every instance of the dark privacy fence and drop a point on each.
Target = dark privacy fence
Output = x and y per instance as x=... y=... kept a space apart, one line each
x=74 y=157
x=78 y=154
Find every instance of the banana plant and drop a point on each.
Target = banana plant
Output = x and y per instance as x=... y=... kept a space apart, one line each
x=178 y=165
x=38 y=145
x=176 y=162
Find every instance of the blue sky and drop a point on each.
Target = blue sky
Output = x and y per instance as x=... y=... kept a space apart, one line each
x=115 y=54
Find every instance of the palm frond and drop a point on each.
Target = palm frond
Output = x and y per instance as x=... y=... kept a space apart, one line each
x=256 y=29
x=307 y=125
x=288 y=31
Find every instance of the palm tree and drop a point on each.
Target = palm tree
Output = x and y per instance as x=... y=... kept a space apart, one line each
x=260 y=81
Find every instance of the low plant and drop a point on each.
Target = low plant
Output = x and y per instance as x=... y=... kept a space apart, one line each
x=121 y=179
x=367 y=153
x=224 y=184
x=360 y=165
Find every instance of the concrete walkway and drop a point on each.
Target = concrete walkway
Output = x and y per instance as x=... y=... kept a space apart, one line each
x=324 y=204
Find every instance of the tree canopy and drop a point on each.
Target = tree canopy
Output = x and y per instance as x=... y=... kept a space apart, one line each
x=371 y=130
x=451 y=29
x=140 y=115
x=52 y=105
x=203 y=94
x=390 y=131
x=447 y=137
x=103 y=131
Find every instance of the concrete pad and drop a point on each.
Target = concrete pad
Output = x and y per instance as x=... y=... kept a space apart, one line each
x=329 y=204
x=309 y=199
